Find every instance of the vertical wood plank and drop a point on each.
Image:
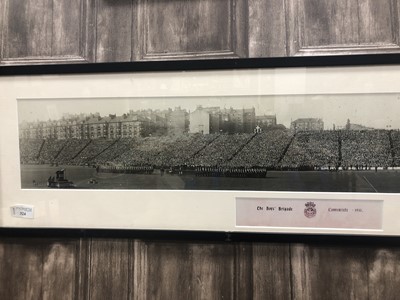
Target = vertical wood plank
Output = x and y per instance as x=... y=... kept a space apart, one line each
x=271 y=271
x=29 y=28
x=168 y=265
x=329 y=22
x=243 y=275
x=173 y=270
x=396 y=21
x=213 y=271
x=292 y=24
x=2 y=26
x=241 y=31
x=139 y=270
x=38 y=268
x=329 y=272
x=376 y=21
x=82 y=266
x=114 y=30
x=59 y=270
x=88 y=30
x=137 y=31
x=66 y=27
x=21 y=270
x=384 y=272
x=267 y=28
x=164 y=25
x=209 y=25
x=109 y=276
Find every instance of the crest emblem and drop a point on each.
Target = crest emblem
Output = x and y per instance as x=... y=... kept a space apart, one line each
x=310 y=211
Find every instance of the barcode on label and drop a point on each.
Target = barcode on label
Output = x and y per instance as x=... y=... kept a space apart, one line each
x=22 y=211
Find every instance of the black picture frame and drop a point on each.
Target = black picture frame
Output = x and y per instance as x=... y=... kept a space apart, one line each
x=197 y=65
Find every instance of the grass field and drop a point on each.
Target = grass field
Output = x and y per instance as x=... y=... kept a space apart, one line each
x=306 y=181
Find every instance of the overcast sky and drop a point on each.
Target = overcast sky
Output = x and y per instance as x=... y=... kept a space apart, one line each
x=372 y=110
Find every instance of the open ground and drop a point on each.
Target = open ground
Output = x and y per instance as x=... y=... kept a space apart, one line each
x=382 y=181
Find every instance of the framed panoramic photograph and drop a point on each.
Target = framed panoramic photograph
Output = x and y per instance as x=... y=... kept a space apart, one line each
x=238 y=146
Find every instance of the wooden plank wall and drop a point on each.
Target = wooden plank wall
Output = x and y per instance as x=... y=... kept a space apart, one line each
x=55 y=31
x=59 y=31
x=98 y=268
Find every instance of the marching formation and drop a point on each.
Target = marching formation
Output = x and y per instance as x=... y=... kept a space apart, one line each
x=231 y=172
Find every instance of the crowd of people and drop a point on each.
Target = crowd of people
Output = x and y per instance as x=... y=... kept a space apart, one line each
x=71 y=149
x=395 y=137
x=166 y=150
x=221 y=150
x=274 y=149
x=29 y=150
x=313 y=150
x=184 y=148
x=92 y=150
x=50 y=150
x=112 y=152
x=145 y=151
x=263 y=150
x=365 y=149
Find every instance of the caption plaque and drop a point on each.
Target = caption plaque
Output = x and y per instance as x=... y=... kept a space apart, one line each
x=343 y=214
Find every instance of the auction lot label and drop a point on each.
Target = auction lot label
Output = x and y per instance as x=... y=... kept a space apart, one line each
x=346 y=214
x=22 y=211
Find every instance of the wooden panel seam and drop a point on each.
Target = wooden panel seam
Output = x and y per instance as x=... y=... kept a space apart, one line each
x=292 y=26
x=82 y=269
x=137 y=12
x=243 y=271
x=139 y=270
x=88 y=31
x=384 y=48
x=240 y=28
x=43 y=60
x=186 y=55
x=131 y=268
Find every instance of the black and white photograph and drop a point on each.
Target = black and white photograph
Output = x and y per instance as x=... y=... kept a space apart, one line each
x=317 y=143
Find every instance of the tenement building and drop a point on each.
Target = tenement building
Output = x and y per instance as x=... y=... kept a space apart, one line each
x=304 y=124
x=227 y=120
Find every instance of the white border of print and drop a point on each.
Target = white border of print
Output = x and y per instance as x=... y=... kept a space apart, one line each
x=162 y=209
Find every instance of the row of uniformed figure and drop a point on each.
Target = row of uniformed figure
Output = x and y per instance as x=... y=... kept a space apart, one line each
x=255 y=172
x=231 y=172
x=126 y=169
